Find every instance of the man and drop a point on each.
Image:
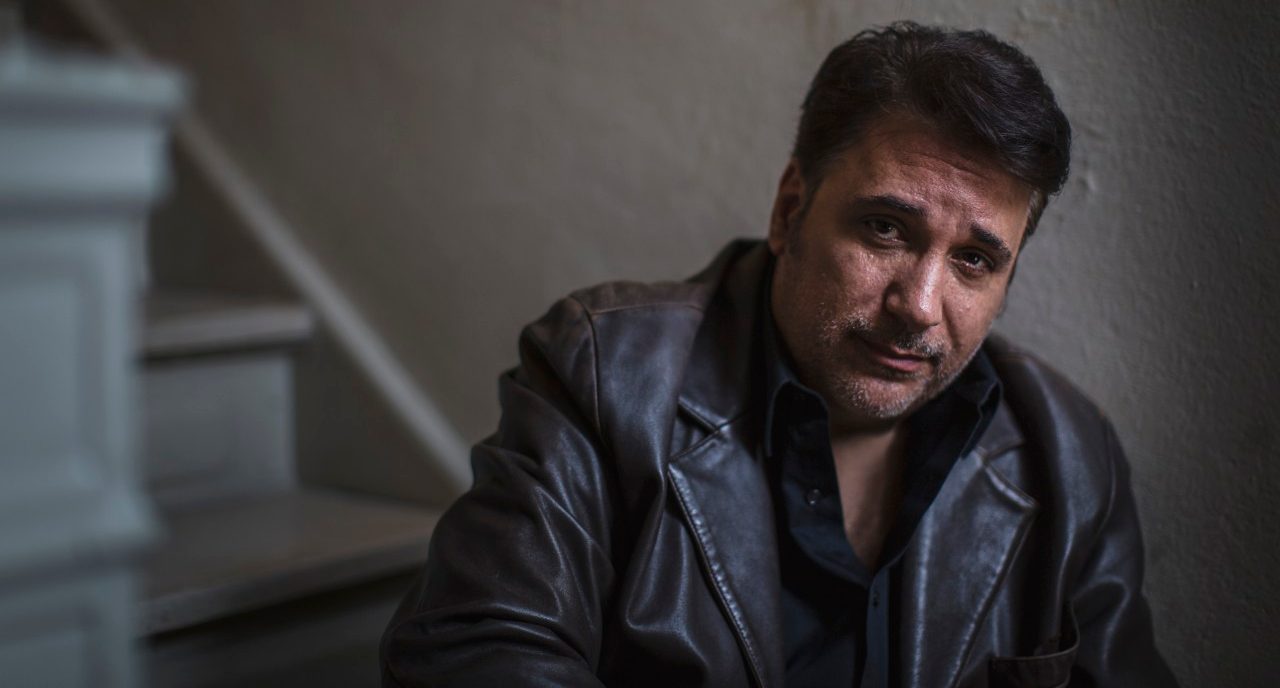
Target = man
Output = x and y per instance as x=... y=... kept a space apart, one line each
x=809 y=465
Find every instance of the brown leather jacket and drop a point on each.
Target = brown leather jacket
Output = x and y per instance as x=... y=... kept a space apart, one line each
x=620 y=529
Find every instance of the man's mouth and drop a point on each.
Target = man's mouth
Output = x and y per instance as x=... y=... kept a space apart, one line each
x=901 y=361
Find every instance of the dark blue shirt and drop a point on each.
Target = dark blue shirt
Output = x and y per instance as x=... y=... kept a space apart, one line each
x=839 y=618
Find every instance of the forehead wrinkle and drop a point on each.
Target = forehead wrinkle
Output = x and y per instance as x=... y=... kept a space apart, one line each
x=954 y=184
x=930 y=194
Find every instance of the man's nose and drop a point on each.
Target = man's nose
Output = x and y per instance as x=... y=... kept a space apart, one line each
x=915 y=295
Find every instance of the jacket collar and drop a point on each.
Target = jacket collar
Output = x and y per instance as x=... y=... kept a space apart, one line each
x=724 y=370
x=1003 y=434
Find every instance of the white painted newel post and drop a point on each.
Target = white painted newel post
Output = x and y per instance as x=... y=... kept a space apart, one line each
x=81 y=159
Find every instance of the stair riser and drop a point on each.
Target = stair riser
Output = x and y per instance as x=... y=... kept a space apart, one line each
x=218 y=426
x=69 y=629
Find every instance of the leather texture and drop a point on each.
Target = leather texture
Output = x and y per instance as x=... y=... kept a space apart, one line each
x=620 y=530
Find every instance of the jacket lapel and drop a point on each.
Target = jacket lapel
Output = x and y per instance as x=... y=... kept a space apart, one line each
x=958 y=558
x=725 y=500
x=719 y=481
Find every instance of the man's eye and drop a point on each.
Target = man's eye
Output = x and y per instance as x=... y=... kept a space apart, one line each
x=975 y=262
x=883 y=229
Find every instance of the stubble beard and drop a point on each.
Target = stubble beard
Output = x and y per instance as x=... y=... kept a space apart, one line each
x=866 y=399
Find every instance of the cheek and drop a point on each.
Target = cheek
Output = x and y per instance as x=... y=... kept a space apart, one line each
x=857 y=280
x=971 y=318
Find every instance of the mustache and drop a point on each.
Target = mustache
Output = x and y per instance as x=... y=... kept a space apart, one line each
x=913 y=343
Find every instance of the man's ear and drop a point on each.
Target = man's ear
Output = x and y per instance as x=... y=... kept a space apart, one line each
x=787 y=205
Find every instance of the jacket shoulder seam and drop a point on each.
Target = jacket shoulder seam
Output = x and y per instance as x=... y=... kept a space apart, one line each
x=648 y=305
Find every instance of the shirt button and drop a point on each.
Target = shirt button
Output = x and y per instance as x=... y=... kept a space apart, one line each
x=812 y=496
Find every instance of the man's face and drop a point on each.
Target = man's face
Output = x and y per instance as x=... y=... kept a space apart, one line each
x=888 y=281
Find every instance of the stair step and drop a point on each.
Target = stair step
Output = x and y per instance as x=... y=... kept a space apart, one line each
x=244 y=554
x=187 y=323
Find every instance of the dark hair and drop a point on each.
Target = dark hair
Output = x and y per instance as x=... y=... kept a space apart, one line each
x=978 y=90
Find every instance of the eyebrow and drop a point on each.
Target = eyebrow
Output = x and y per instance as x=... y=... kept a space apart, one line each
x=981 y=234
x=989 y=239
x=895 y=203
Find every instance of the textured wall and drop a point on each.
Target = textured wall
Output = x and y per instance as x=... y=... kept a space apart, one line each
x=457 y=165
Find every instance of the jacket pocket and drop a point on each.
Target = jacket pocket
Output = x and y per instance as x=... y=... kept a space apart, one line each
x=1050 y=667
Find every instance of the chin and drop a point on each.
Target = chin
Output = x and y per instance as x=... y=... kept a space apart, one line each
x=878 y=401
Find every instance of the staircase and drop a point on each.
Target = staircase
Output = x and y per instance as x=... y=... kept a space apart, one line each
x=243 y=538
x=272 y=566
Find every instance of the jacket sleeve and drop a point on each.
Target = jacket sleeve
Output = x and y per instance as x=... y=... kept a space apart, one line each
x=1116 y=643
x=519 y=567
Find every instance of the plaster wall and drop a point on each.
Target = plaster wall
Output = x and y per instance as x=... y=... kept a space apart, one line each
x=458 y=165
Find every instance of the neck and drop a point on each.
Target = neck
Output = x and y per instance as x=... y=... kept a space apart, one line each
x=875 y=445
x=846 y=425
x=869 y=469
